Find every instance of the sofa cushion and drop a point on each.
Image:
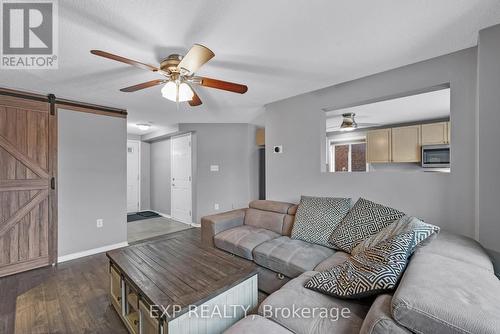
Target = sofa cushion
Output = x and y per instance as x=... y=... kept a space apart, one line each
x=290 y=257
x=421 y=232
x=371 y=272
x=265 y=219
x=338 y=258
x=363 y=220
x=253 y=324
x=443 y=295
x=317 y=217
x=214 y=224
x=342 y=316
x=458 y=247
x=274 y=206
x=242 y=240
x=379 y=319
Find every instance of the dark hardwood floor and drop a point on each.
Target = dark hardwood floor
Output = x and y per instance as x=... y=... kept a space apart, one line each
x=69 y=298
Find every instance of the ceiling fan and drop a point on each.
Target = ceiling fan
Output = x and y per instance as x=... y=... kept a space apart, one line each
x=178 y=75
x=349 y=124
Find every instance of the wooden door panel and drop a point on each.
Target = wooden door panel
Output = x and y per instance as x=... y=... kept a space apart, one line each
x=30 y=231
x=25 y=173
x=38 y=142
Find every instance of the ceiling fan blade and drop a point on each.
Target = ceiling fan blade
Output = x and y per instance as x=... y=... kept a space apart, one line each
x=124 y=60
x=224 y=85
x=196 y=101
x=142 y=85
x=195 y=58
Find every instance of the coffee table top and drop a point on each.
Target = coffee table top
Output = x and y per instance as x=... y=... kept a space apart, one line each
x=178 y=270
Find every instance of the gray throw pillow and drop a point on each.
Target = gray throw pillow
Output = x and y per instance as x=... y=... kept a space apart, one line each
x=317 y=217
x=365 y=219
x=375 y=270
x=422 y=232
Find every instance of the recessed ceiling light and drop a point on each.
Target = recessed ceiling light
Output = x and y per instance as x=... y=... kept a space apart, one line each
x=143 y=127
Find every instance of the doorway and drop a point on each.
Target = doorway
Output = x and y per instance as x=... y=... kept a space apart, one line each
x=133 y=176
x=149 y=182
x=181 y=174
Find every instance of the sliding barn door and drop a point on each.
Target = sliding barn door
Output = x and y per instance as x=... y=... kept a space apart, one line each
x=27 y=162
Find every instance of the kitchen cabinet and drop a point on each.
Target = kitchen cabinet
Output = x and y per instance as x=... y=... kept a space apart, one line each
x=405 y=142
x=260 y=137
x=448 y=127
x=435 y=133
x=378 y=146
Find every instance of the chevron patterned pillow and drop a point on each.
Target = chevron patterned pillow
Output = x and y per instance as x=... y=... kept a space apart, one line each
x=422 y=232
x=365 y=218
x=371 y=272
x=317 y=217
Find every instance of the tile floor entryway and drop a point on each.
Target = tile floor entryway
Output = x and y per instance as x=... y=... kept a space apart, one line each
x=149 y=228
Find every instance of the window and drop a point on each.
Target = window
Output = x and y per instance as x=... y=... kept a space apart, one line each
x=348 y=157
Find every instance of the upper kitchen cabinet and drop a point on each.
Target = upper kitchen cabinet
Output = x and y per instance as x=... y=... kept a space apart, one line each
x=405 y=143
x=448 y=126
x=390 y=133
x=435 y=133
x=378 y=146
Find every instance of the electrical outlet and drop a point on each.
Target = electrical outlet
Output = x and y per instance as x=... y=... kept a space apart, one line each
x=99 y=223
x=216 y=206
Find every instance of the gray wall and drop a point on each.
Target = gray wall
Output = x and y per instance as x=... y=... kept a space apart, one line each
x=298 y=123
x=160 y=176
x=488 y=191
x=91 y=181
x=232 y=147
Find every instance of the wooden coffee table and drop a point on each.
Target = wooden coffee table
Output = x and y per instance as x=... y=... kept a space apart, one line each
x=175 y=285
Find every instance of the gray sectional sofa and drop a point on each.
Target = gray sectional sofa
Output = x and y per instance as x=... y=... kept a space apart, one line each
x=449 y=285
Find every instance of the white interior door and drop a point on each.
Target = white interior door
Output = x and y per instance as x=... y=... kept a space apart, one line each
x=133 y=176
x=181 y=199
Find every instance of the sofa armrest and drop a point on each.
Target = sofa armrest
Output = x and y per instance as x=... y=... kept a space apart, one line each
x=214 y=224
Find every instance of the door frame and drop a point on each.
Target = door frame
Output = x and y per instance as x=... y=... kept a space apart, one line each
x=190 y=134
x=139 y=171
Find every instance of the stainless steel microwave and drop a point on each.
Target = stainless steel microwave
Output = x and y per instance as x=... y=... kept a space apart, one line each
x=436 y=156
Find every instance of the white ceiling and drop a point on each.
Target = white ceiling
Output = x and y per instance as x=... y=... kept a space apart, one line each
x=278 y=48
x=414 y=108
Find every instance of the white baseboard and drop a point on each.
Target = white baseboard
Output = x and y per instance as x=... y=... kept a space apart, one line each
x=162 y=214
x=93 y=251
x=170 y=217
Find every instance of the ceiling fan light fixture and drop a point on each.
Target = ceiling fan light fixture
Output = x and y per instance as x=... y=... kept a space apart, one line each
x=348 y=123
x=177 y=93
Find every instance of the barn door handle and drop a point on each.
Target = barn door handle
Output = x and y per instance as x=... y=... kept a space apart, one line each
x=53 y=183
